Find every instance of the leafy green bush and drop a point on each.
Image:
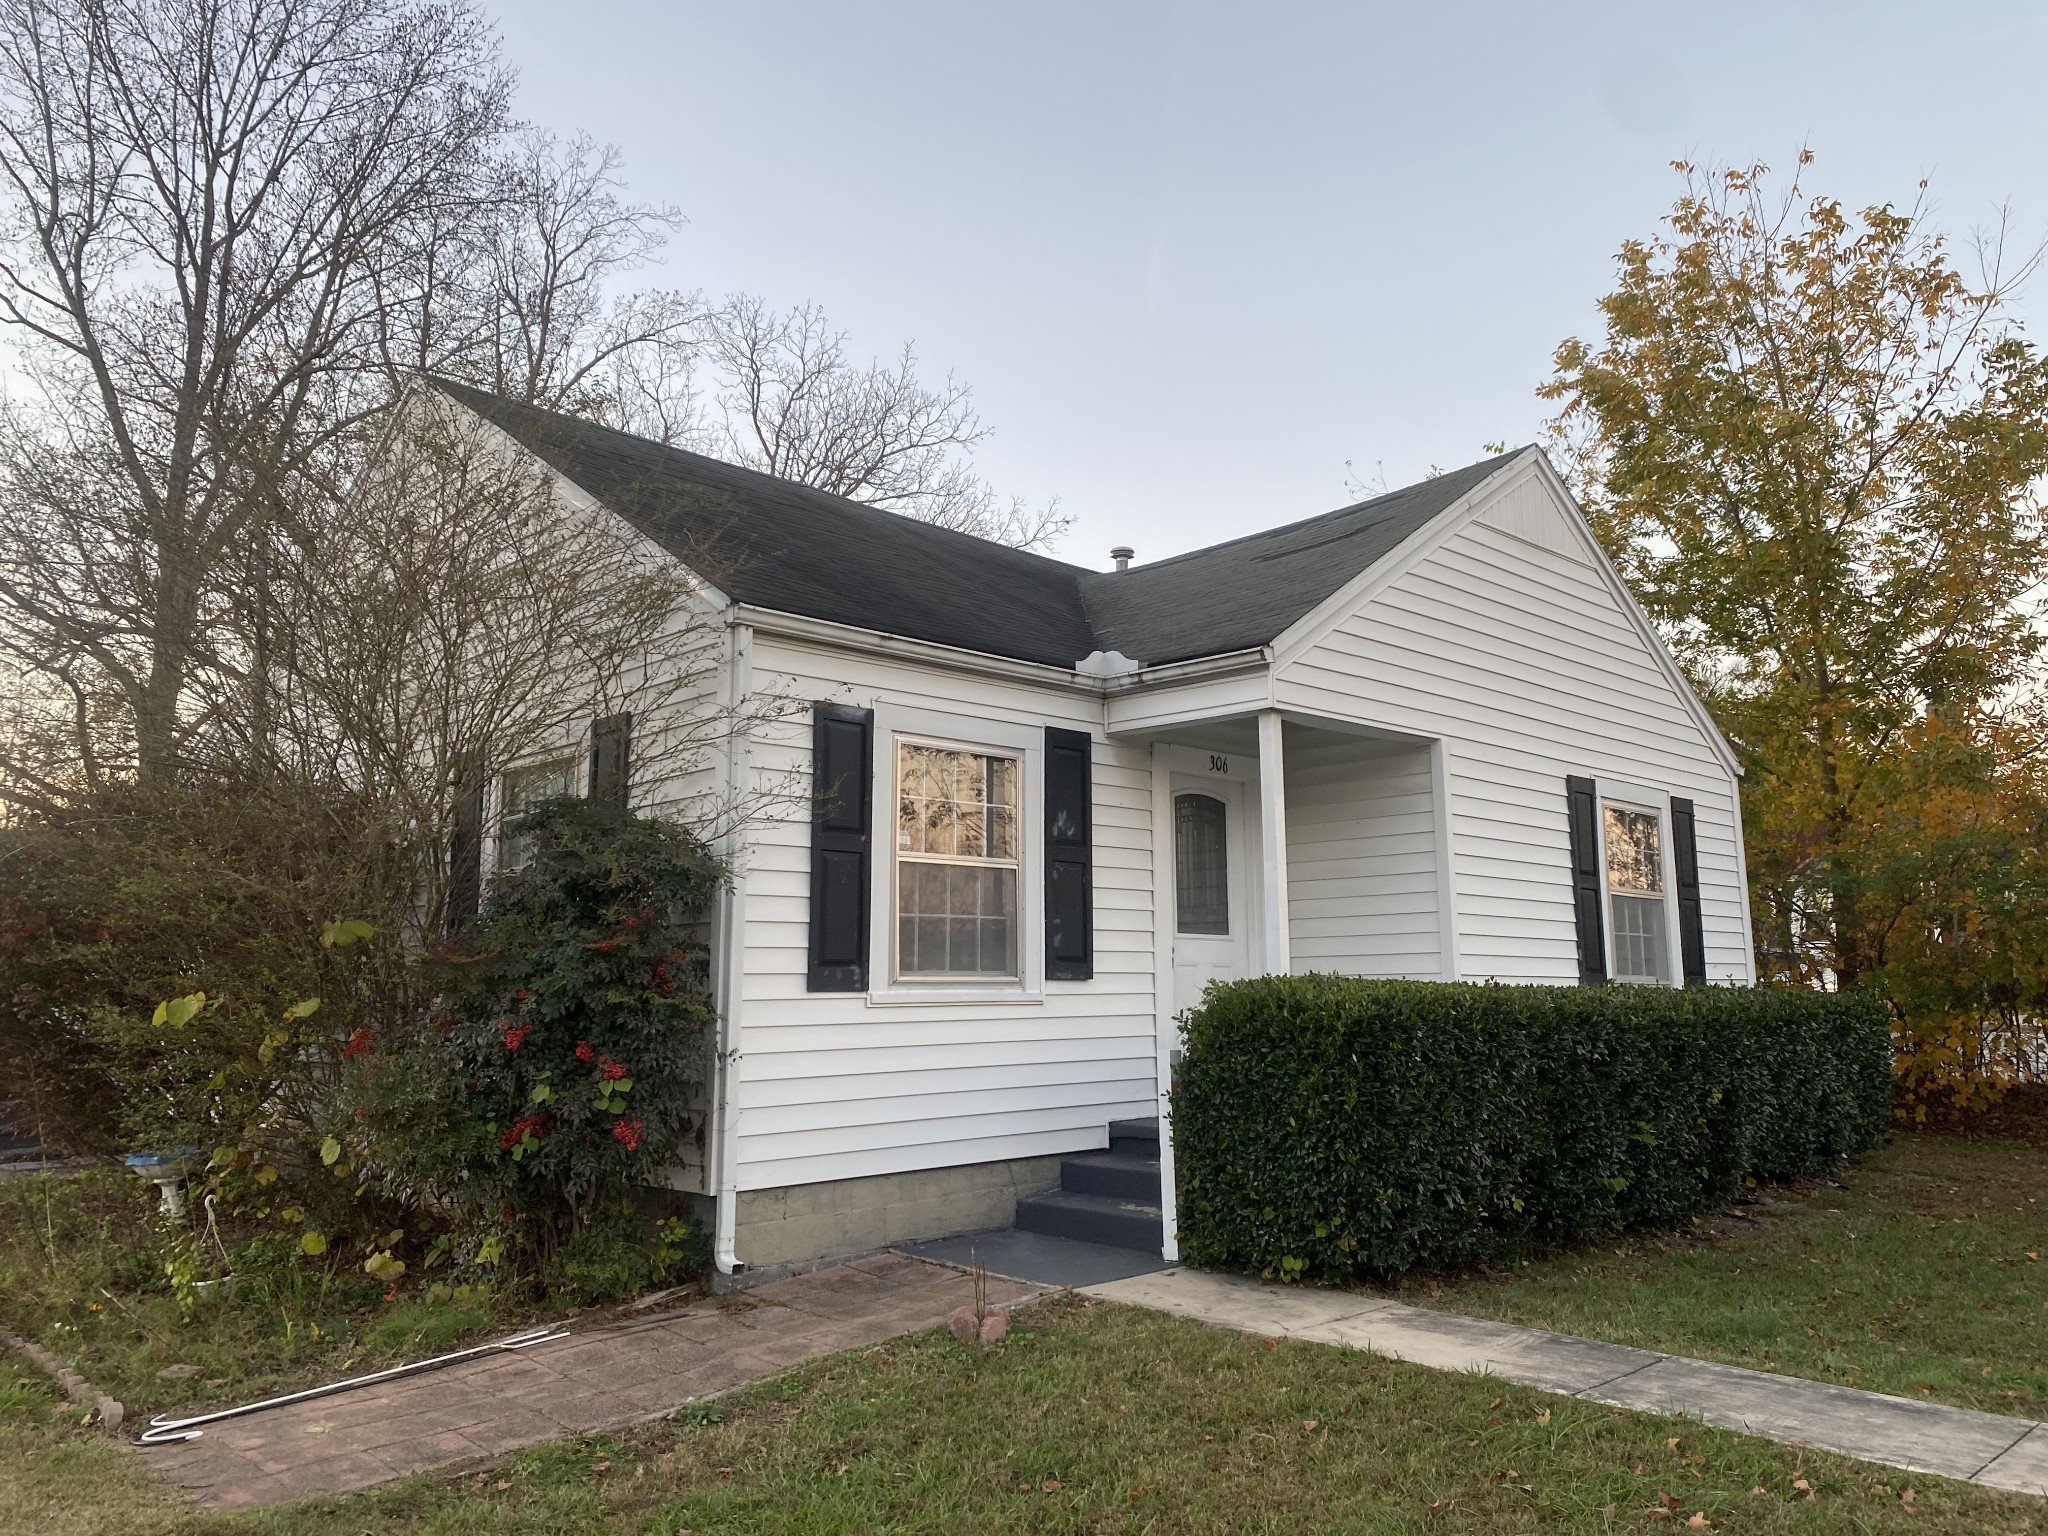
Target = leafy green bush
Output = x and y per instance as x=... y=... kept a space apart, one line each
x=1336 y=1127
x=563 y=1063
x=175 y=980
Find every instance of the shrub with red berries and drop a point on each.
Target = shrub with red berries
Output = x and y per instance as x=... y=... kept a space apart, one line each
x=558 y=1067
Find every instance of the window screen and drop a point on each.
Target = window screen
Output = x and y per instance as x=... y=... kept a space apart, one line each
x=956 y=862
x=1201 y=865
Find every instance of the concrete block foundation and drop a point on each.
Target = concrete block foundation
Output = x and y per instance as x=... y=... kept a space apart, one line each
x=802 y=1224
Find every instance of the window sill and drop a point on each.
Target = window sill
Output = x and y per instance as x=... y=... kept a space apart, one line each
x=912 y=996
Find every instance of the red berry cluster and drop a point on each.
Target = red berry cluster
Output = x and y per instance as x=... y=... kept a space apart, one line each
x=613 y=1070
x=514 y=1035
x=585 y=1051
x=361 y=1043
x=537 y=1125
x=627 y=1134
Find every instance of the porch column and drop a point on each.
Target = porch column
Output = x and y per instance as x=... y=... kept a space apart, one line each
x=1273 y=845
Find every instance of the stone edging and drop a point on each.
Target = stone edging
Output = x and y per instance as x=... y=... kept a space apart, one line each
x=75 y=1386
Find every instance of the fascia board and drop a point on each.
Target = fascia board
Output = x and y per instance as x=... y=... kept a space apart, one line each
x=873 y=642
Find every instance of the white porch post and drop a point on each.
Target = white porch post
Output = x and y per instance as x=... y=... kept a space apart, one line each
x=1273 y=846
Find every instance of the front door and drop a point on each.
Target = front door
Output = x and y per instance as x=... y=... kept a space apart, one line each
x=1209 y=938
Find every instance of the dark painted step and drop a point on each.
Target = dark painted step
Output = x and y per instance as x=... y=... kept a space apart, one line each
x=1093 y=1219
x=1138 y=1138
x=1116 y=1174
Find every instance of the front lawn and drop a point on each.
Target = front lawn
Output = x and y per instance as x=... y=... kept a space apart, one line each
x=1090 y=1418
x=1922 y=1270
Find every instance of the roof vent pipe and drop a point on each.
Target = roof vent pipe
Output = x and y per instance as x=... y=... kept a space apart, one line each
x=1123 y=554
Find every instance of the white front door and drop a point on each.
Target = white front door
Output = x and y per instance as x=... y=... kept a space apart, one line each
x=1210 y=931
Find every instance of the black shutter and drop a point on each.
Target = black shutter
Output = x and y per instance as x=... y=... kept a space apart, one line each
x=1069 y=856
x=1586 y=878
x=1685 y=848
x=842 y=778
x=611 y=750
x=466 y=842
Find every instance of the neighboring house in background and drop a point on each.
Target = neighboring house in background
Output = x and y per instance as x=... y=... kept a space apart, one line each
x=1429 y=736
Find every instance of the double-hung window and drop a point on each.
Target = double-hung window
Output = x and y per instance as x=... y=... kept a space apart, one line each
x=1636 y=892
x=956 y=863
x=520 y=791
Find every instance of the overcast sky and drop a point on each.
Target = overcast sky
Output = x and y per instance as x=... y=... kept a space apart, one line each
x=1193 y=258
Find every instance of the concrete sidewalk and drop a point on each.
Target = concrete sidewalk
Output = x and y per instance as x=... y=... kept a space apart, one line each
x=604 y=1379
x=1988 y=1449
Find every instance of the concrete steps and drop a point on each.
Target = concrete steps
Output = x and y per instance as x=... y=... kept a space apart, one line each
x=1105 y=1197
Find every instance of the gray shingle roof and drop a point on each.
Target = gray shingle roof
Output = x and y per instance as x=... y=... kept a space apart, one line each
x=776 y=544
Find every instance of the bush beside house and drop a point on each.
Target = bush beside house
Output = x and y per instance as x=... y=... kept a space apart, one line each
x=1340 y=1128
x=562 y=1065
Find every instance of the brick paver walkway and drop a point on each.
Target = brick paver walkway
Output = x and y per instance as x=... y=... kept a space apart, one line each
x=603 y=1379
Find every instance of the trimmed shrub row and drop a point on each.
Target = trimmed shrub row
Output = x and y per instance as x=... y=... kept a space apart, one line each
x=1341 y=1128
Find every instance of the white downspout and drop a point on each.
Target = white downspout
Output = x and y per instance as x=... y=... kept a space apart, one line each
x=731 y=937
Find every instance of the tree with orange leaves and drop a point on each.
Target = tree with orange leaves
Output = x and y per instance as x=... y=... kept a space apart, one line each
x=1813 y=447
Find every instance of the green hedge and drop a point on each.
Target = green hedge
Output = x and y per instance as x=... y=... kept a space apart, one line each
x=1329 y=1126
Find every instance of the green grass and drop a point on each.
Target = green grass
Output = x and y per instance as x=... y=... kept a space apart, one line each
x=1089 y=1419
x=81 y=1272
x=1922 y=1271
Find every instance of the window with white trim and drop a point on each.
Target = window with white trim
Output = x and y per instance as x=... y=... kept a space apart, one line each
x=519 y=791
x=957 y=866
x=1636 y=896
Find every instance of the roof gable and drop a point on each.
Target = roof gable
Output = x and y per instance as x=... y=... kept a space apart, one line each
x=1249 y=591
x=776 y=544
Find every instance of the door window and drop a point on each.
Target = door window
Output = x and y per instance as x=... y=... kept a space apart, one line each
x=1201 y=866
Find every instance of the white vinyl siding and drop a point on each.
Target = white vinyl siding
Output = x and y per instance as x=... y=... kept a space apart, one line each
x=833 y=1086
x=1515 y=651
x=1361 y=858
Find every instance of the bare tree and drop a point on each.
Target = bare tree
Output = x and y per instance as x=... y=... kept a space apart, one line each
x=791 y=402
x=454 y=616
x=198 y=197
x=520 y=294
x=230 y=230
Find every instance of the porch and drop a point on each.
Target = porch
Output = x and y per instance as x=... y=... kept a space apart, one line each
x=1291 y=844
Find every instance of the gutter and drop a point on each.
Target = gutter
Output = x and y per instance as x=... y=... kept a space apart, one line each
x=873 y=642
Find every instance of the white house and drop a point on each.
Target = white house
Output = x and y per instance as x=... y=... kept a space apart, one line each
x=1429 y=735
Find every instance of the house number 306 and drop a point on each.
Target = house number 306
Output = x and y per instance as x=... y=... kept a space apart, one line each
x=1218 y=764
